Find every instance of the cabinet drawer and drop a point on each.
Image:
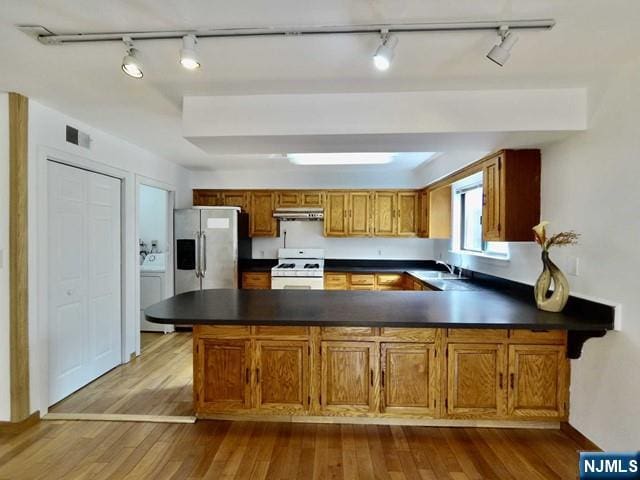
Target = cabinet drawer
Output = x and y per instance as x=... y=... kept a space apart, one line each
x=256 y=280
x=348 y=331
x=477 y=334
x=223 y=330
x=281 y=331
x=335 y=281
x=393 y=279
x=362 y=279
x=411 y=334
x=545 y=336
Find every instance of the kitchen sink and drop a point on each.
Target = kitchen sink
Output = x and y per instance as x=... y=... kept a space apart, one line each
x=436 y=275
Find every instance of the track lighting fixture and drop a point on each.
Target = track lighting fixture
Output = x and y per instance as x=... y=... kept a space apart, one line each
x=501 y=53
x=188 y=57
x=130 y=63
x=384 y=54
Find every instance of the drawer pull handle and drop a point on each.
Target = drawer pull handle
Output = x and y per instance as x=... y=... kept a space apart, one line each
x=501 y=386
x=257 y=375
x=371 y=375
x=512 y=381
x=246 y=374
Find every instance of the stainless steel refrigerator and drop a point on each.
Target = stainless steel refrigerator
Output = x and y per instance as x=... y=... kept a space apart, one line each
x=209 y=241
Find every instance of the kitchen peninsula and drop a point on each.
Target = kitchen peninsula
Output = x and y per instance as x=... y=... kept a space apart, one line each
x=429 y=357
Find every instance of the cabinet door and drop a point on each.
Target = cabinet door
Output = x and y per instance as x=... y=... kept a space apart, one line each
x=256 y=280
x=206 y=198
x=385 y=215
x=407 y=213
x=261 y=217
x=235 y=199
x=310 y=198
x=359 y=214
x=349 y=377
x=423 y=214
x=440 y=212
x=282 y=375
x=537 y=381
x=409 y=378
x=288 y=199
x=223 y=375
x=493 y=200
x=475 y=380
x=335 y=221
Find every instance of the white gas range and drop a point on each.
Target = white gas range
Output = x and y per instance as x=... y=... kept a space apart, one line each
x=298 y=269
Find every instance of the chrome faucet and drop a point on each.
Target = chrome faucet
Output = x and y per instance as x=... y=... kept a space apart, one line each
x=451 y=268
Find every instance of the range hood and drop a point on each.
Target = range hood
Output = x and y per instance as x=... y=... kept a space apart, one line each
x=302 y=214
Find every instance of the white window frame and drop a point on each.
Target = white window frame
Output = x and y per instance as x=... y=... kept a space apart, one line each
x=458 y=188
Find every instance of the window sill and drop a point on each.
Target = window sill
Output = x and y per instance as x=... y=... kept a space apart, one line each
x=497 y=259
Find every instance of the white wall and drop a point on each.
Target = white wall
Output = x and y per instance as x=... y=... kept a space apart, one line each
x=108 y=154
x=590 y=183
x=310 y=235
x=5 y=407
x=153 y=216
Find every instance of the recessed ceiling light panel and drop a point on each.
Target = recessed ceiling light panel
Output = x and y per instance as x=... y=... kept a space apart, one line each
x=366 y=158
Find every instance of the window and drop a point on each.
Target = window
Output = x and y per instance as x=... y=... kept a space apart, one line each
x=467 y=221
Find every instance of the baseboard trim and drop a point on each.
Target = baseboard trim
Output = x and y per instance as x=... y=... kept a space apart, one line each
x=574 y=434
x=19 y=427
x=119 y=417
x=430 y=422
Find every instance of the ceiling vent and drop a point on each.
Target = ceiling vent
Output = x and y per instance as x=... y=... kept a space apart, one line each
x=77 y=137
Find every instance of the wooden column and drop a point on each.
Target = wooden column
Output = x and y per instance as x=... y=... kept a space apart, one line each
x=18 y=267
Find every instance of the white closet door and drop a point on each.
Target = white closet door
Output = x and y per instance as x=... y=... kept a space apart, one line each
x=84 y=278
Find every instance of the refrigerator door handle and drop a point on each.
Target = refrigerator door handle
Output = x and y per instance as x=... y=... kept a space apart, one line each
x=197 y=254
x=203 y=265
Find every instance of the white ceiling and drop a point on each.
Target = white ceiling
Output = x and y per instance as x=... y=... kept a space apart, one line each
x=590 y=39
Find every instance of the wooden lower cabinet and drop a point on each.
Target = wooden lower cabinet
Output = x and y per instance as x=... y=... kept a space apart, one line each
x=475 y=380
x=380 y=372
x=348 y=381
x=409 y=378
x=222 y=374
x=537 y=381
x=282 y=375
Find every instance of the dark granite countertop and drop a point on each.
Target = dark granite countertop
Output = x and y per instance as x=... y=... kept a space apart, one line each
x=450 y=309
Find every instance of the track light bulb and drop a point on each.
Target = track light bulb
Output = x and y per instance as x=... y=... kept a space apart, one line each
x=384 y=54
x=188 y=57
x=131 y=63
x=501 y=53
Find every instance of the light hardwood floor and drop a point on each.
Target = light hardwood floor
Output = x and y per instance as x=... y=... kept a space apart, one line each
x=159 y=382
x=245 y=450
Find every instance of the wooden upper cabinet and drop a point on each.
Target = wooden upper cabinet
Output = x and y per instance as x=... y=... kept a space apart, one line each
x=235 y=198
x=225 y=368
x=310 y=198
x=282 y=375
x=288 y=199
x=385 y=214
x=511 y=187
x=262 y=223
x=476 y=376
x=423 y=213
x=348 y=376
x=360 y=214
x=206 y=198
x=408 y=214
x=409 y=378
x=538 y=384
x=440 y=212
x=335 y=214
x=493 y=199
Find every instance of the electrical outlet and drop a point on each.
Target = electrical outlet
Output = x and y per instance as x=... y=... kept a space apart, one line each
x=380 y=252
x=261 y=253
x=572 y=266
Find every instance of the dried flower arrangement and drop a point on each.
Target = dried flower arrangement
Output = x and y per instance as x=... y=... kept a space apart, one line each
x=559 y=239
